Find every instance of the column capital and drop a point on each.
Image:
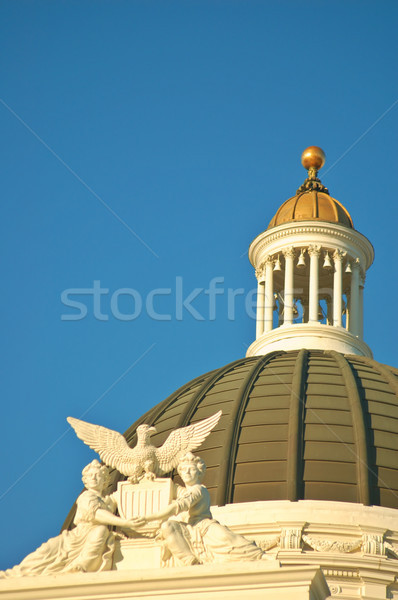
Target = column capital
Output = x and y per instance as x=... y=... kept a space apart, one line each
x=314 y=250
x=355 y=263
x=289 y=252
x=269 y=260
x=339 y=255
x=260 y=271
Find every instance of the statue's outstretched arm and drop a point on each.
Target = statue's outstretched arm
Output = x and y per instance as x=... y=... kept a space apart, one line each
x=107 y=518
x=170 y=511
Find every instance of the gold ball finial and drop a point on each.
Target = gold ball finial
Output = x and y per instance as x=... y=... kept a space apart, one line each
x=313 y=157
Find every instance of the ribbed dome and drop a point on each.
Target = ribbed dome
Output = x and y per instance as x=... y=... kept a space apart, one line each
x=312 y=205
x=296 y=425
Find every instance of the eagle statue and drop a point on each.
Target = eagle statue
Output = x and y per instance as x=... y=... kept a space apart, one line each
x=144 y=459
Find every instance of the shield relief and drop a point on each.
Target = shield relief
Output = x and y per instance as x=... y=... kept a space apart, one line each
x=144 y=498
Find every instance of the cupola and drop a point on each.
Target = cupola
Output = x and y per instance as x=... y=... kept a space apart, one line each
x=310 y=266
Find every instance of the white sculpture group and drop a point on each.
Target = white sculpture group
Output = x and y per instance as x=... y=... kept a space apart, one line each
x=186 y=529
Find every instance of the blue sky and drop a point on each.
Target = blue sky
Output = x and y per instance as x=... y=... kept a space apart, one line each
x=144 y=145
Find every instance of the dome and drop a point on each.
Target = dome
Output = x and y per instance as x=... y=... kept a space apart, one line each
x=311 y=205
x=306 y=424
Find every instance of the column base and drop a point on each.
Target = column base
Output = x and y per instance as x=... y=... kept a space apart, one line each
x=312 y=336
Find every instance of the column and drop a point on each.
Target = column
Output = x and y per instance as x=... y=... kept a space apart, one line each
x=304 y=302
x=280 y=310
x=329 y=311
x=348 y=309
x=361 y=287
x=289 y=285
x=260 y=301
x=354 y=298
x=314 y=252
x=338 y=287
x=269 y=294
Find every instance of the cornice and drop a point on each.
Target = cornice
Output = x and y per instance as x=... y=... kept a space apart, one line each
x=350 y=236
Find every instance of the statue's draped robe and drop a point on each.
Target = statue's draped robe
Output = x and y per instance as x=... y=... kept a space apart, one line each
x=87 y=547
x=209 y=541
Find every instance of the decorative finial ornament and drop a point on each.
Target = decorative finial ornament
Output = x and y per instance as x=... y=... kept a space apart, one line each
x=313 y=159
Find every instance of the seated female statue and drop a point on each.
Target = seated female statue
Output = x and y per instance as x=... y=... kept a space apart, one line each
x=87 y=547
x=198 y=538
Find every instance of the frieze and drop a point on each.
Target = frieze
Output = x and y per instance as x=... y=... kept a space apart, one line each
x=267 y=544
x=325 y=545
x=373 y=544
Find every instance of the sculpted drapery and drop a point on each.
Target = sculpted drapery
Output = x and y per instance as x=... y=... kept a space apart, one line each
x=197 y=538
x=86 y=548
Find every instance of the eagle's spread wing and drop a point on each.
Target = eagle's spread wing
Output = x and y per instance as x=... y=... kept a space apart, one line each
x=184 y=440
x=110 y=445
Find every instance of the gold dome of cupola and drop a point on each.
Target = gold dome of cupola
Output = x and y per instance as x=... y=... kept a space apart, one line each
x=312 y=201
